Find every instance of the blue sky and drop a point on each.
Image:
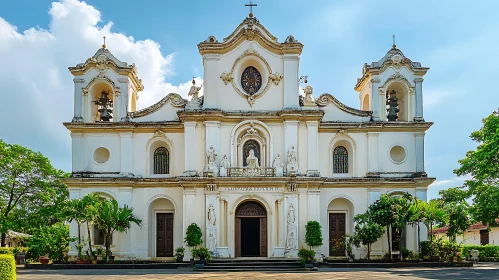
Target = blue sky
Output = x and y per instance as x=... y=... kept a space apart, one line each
x=457 y=39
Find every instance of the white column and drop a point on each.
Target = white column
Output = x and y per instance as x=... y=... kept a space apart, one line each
x=421 y=193
x=291 y=138
x=382 y=104
x=190 y=149
x=419 y=151
x=78 y=100
x=375 y=99
x=188 y=216
x=292 y=234
x=313 y=144
x=77 y=149
x=213 y=137
x=314 y=205
x=125 y=239
x=126 y=153
x=211 y=80
x=74 y=193
x=291 y=85
x=372 y=149
x=123 y=100
x=419 y=99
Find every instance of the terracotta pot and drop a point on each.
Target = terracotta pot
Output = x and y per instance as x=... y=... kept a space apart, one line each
x=44 y=260
x=81 y=261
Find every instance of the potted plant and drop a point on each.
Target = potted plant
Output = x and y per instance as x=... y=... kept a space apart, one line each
x=306 y=257
x=44 y=259
x=313 y=238
x=179 y=254
x=204 y=256
x=193 y=236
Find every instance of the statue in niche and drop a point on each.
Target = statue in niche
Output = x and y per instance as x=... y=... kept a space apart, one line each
x=278 y=165
x=211 y=156
x=291 y=241
x=224 y=165
x=292 y=161
x=211 y=216
x=211 y=242
x=291 y=214
x=252 y=160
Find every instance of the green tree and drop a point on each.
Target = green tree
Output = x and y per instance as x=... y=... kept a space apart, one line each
x=91 y=204
x=384 y=213
x=52 y=241
x=366 y=231
x=75 y=211
x=30 y=189
x=482 y=165
x=111 y=219
x=313 y=234
x=416 y=213
x=401 y=215
x=193 y=236
x=457 y=209
x=434 y=214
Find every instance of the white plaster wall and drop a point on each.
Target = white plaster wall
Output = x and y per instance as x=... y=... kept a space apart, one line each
x=166 y=113
x=109 y=141
x=335 y=114
x=389 y=139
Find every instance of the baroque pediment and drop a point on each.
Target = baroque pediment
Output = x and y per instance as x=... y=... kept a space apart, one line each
x=172 y=98
x=250 y=29
x=326 y=99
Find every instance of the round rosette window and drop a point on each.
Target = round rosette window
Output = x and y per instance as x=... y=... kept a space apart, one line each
x=101 y=155
x=397 y=154
x=251 y=80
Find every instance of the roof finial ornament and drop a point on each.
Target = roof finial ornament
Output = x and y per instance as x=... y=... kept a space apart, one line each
x=394 y=46
x=104 y=45
x=251 y=5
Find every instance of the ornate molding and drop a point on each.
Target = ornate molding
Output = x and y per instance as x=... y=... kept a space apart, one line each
x=251 y=209
x=211 y=188
x=276 y=78
x=78 y=81
x=292 y=187
x=375 y=80
x=226 y=77
x=327 y=98
x=397 y=77
x=251 y=98
x=173 y=98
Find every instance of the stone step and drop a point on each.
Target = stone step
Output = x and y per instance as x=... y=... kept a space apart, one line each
x=257 y=268
x=255 y=260
x=277 y=264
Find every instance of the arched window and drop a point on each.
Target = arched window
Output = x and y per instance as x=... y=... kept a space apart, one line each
x=161 y=161
x=340 y=160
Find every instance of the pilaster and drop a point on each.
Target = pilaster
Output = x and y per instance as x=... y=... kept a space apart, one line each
x=313 y=149
x=419 y=99
x=213 y=137
x=291 y=211
x=190 y=148
x=372 y=149
x=314 y=205
x=291 y=85
x=188 y=217
x=125 y=245
x=421 y=193
x=211 y=80
x=74 y=193
x=126 y=153
x=78 y=99
x=122 y=92
x=375 y=99
x=291 y=137
x=419 y=151
x=212 y=217
x=76 y=151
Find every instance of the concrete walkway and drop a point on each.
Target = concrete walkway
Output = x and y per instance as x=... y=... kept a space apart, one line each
x=480 y=271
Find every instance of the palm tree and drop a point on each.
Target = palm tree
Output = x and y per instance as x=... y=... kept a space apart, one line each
x=91 y=204
x=75 y=211
x=434 y=214
x=416 y=216
x=112 y=218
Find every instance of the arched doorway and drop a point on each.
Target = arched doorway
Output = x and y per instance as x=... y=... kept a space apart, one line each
x=251 y=230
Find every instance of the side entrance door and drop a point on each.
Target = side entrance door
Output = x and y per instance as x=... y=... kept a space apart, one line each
x=164 y=235
x=337 y=229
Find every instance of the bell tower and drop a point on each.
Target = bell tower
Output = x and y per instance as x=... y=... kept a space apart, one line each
x=392 y=88
x=106 y=89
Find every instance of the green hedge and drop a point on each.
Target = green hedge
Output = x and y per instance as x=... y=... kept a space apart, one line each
x=7 y=267
x=486 y=252
x=6 y=251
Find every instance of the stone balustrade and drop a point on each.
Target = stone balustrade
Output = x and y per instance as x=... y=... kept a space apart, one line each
x=251 y=172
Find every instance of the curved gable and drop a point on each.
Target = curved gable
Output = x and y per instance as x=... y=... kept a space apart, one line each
x=335 y=111
x=164 y=110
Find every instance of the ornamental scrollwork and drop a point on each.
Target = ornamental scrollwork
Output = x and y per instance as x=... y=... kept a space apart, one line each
x=226 y=77
x=276 y=78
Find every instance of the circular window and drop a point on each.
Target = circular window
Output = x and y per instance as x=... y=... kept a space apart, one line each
x=251 y=80
x=101 y=155
x=397 y=154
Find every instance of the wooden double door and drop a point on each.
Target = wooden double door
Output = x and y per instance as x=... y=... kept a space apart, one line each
x=337 y=229
x=164 y=234
x=251 y=230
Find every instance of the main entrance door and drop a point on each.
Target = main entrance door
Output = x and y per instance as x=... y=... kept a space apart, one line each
x=337 y=229
x=251 y=230
x=164 y=235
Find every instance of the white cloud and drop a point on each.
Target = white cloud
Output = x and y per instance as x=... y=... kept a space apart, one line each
x=37 y=88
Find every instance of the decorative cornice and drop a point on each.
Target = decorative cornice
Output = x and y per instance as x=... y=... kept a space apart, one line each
x=173 y=98
x=327 y=98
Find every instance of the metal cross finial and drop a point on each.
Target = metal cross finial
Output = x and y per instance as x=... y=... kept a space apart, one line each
x=251 y=5
x=104 y=45
x=394 y=45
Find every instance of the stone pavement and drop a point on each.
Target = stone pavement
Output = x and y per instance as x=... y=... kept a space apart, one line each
x=480 y=271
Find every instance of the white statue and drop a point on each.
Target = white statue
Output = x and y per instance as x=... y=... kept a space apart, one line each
x=309 y=98
x=291 y=214
x=194 y=91
x=211 y=216
x=224 y=165
x=291 y=241
x=212 y=241
x=278 y=165
x=211 y=156
x=292 y=161
x=252 y=160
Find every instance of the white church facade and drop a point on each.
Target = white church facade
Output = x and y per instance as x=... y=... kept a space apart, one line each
x=253 y=159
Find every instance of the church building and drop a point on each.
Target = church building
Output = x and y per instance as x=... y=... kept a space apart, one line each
x=254 y=158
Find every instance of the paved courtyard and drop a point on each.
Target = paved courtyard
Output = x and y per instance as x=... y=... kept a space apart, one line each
x=480 y=271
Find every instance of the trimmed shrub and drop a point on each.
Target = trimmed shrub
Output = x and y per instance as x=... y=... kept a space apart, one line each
x=6 y=251
x=486 y=252
x=7 y=267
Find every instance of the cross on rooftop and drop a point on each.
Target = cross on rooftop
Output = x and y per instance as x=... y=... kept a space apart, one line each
x=251 y=5
x=394 y=45
x=104 y=45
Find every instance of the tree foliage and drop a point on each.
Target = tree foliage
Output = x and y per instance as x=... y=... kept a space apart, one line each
x=31 y=190
x=457 y=210
x=366 y=231
x=482 y=164
x=193 y=236
x=313 y=234
x=51 y=241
